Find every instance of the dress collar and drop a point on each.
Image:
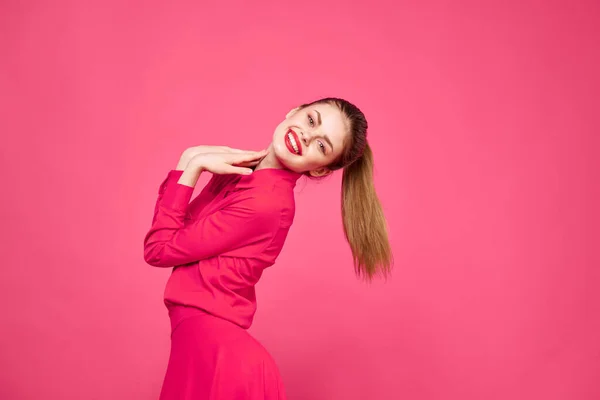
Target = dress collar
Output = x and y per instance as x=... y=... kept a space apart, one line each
x=266 y=175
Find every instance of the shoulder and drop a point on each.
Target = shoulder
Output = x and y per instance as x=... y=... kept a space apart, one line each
x=276 y=196
x=269 y=198
x=266 y=203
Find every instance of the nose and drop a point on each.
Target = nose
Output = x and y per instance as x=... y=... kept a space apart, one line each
x=306 y=137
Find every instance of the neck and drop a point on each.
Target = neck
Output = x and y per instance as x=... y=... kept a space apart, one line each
x=270 y=161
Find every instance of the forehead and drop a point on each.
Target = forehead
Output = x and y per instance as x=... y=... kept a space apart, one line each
x=333 y=121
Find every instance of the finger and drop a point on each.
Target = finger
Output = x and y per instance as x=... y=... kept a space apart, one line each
x=230 y=169
x=248 y=163
x=232 y=150
x=240 y=151
x=246 y=157
x=261 y=153
x=253 y=160
x=227 y=149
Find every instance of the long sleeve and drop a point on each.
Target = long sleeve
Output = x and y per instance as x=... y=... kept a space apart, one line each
x=170 y=181
x=247 y=224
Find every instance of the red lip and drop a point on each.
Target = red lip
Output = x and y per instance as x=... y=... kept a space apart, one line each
x=289 y=144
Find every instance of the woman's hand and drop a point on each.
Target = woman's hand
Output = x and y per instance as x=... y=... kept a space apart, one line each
x=192 y=152
x=220 y=163
x=228 y=163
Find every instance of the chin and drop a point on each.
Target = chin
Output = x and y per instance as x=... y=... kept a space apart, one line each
x=284 y=160
x=287 y=160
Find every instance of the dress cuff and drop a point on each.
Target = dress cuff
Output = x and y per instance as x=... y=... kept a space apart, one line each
x=175 y=195
x=172 y=176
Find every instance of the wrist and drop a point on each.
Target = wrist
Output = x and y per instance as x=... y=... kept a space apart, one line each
x=196 y=164
x=183 y=162
x=190 y=175
x=181 y=165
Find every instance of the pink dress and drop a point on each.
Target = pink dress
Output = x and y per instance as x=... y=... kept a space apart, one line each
x=219 y=245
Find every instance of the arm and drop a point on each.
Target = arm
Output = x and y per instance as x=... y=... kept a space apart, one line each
x=192 y=174
x=170 y=242
x=191 y=165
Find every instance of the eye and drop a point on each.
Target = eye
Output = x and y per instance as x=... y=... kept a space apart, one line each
x=322 y=146
x=311 y=121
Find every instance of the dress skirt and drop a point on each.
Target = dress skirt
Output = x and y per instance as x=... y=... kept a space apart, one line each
x=214 y=359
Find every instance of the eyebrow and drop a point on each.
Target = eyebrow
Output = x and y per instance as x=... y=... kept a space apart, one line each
x=325 y=136
x=328 y=141
x=318 y=116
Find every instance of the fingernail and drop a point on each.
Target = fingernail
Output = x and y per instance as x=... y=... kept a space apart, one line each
x=248 y=172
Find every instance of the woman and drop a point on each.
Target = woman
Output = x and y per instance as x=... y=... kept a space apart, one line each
x=220 y=243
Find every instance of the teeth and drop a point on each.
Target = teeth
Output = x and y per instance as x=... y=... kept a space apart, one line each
x=293 y=142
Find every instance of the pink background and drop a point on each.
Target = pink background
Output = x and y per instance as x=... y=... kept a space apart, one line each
x=484 y=123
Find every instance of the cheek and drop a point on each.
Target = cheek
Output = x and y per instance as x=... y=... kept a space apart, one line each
x=307 y=163
x=278 y=141
x=280 y=150
x=290 y=161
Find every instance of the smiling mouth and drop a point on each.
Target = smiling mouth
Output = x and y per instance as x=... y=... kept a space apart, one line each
x=292 y=142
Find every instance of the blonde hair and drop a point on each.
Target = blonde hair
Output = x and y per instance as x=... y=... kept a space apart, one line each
x=365 y=226
x=364 y=222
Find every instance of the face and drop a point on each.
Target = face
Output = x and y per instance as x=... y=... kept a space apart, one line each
x=310 y=139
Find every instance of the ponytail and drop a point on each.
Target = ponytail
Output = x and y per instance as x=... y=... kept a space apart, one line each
x=364 y=223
